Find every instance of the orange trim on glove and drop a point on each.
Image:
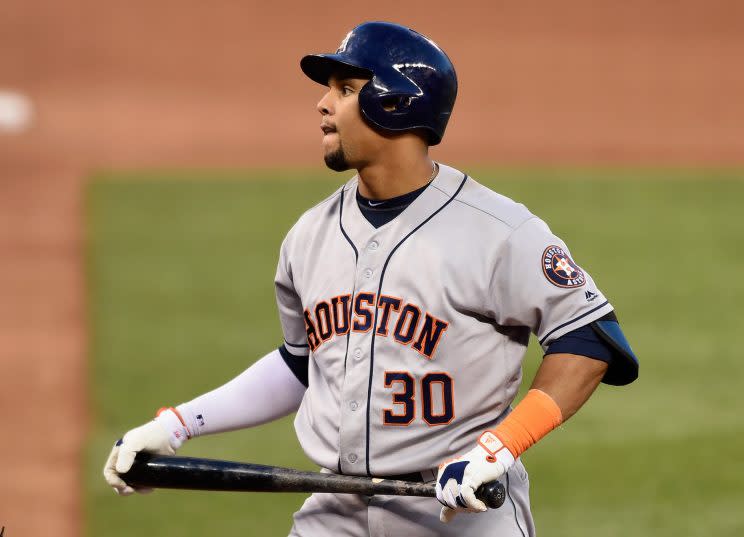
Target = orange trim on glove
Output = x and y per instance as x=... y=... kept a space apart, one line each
x=178 y=415
x=534 y=417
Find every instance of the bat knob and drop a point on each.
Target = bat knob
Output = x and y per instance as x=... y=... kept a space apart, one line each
x=493 y=494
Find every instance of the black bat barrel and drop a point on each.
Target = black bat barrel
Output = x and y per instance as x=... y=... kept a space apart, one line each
x=192 y=473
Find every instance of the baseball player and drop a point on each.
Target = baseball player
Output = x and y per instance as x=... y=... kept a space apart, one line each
x=406 y=300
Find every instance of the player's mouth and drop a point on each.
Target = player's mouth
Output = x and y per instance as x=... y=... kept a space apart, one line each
x=326 y=128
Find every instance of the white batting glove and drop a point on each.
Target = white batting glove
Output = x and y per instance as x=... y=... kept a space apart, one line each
x=459 y=478
x=161 y=436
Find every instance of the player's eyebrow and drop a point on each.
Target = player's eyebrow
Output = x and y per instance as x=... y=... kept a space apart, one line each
x=347 y=81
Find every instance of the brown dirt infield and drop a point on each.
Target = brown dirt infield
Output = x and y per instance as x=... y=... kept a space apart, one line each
x=41 y=351
x=163 y=84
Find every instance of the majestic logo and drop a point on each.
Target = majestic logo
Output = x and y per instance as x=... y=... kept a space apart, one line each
x=560 y=270
x=404 y=322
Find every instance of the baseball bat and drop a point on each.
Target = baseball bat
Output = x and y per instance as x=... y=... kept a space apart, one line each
x=156 y=471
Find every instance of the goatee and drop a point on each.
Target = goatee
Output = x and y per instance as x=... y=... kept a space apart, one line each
x=336 y=160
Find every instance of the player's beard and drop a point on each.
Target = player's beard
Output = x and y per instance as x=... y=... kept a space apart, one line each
x=336 y=160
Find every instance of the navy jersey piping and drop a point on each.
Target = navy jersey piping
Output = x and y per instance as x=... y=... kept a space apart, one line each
x=546 y=336
x=514 y=505
x=356 y=260
x=510 y=225
x=353 y=291
x=341 y=223
x=377 y=309
x=301 y=346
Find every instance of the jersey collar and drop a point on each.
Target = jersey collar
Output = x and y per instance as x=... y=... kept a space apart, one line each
x=360 y=231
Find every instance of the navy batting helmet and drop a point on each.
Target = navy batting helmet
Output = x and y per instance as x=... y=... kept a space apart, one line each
x=412 y=84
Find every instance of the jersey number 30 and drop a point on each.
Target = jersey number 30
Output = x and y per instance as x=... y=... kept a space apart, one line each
x=437 y=399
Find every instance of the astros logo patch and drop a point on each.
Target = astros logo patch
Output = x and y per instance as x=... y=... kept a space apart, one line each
x=560 y=269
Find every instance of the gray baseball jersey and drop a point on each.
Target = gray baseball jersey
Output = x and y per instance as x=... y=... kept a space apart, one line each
x=416 y=330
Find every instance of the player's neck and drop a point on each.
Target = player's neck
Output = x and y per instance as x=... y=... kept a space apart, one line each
x=394 y=177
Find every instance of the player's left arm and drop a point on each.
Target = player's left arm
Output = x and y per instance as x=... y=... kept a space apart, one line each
x=569 y=380
x=583 y=345
x=562 y=384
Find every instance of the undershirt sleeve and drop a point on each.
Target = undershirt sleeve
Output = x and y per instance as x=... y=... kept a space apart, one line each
x=582 y=341
x=297 y=364
x=266 y=391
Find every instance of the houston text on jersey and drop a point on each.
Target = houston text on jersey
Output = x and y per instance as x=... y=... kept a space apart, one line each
x=402 y=321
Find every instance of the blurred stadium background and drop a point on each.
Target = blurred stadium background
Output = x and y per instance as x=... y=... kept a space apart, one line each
x=153 y=154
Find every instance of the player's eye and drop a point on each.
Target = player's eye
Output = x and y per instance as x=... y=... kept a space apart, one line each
x=347 y=90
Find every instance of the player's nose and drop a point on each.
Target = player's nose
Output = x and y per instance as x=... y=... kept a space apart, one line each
x=325 y=106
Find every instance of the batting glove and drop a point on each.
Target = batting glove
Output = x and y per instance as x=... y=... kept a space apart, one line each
x=459 y=478
x=162 y=436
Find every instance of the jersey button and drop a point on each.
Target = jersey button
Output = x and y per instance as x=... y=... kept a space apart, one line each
x=353 y=406
x=368 y=273
x=358 y=354
x=373 y=245
x=352 y=458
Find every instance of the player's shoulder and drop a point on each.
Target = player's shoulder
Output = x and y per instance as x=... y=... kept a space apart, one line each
x=481 y=201
x=322 y=213
x=326 y=206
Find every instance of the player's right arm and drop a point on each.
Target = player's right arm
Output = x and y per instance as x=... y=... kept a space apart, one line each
x=270 y=389
x=266 y=391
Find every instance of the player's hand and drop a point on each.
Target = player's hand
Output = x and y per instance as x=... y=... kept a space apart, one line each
x=459 y=478
x=161 y=436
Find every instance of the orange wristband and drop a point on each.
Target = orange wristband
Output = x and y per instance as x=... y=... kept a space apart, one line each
x=178 y=415
x=534 y=417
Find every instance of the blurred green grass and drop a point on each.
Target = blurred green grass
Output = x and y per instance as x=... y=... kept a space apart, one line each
x=180 y=269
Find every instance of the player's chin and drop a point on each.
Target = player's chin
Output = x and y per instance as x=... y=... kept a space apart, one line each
x=335 y=159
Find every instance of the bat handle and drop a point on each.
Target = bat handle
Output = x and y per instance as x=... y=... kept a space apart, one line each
x=493 y=494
